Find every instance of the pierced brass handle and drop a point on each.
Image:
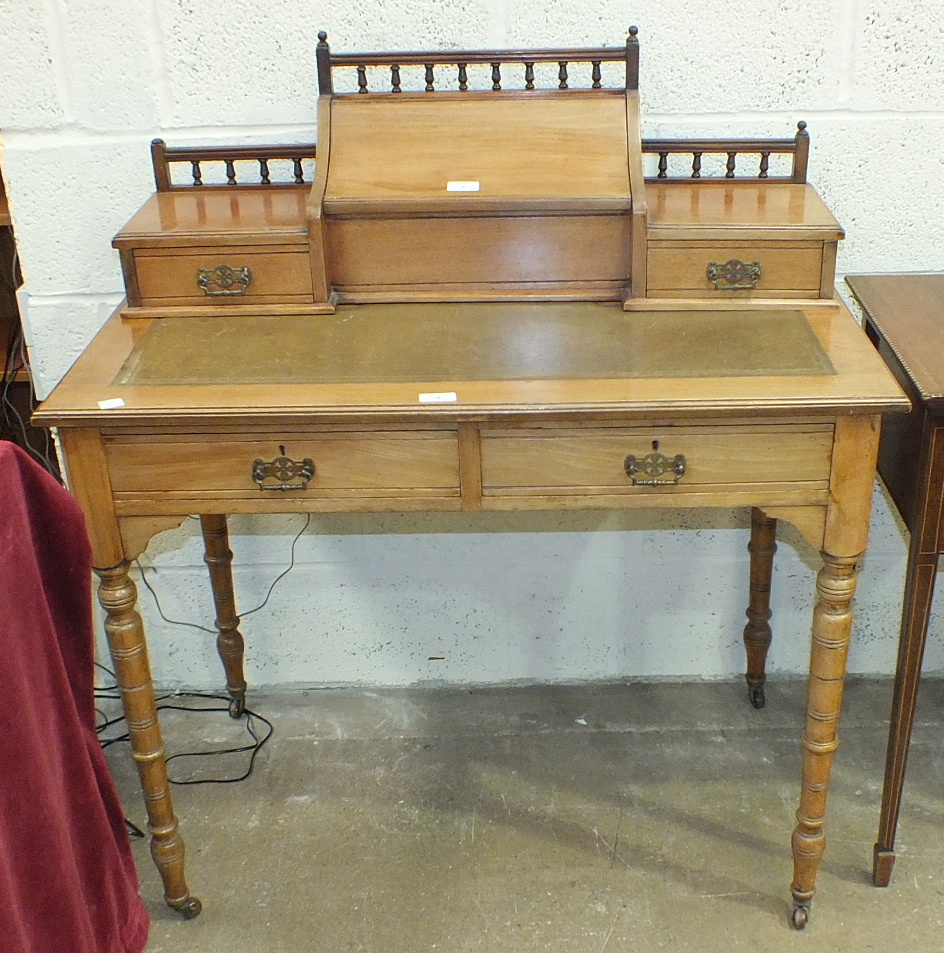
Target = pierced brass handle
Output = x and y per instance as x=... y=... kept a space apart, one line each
x=283 y=470
x=224 y=280
x=734 y=275
x=649 y=470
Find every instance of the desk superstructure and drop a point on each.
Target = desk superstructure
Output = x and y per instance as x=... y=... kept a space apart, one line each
x=479 y=301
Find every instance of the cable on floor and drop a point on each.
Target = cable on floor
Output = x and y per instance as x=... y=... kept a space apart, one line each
x=254 y=722
x=168 y=702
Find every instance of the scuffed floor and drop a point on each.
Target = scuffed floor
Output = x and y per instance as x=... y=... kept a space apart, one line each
x=574 y=819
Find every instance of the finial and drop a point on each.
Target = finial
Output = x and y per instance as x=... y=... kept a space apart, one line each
x=801 y=125
x=323 y=58
x=634 y=31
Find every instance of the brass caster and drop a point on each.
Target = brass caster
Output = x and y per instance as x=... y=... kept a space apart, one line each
x=801 y=915
x=188 y=908
x=757 y=697
x=237 y=706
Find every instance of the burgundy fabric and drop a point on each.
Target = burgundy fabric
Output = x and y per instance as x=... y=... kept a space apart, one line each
x=67 y=877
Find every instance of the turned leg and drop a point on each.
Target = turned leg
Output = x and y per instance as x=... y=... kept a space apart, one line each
x=919 y=590
x=757 y=632
x=118 y=595
x=832 y=628
x=229 y=642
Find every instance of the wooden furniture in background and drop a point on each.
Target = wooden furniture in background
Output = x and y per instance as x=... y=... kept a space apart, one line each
x=17 y=398
x=9 y=282
x=904 y=319
x=480 y=303
x=5 y=219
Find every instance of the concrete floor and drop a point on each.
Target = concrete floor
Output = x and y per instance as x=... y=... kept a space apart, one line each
x=597 y=818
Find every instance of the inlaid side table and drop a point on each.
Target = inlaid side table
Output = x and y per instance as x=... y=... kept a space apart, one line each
x=904 y=319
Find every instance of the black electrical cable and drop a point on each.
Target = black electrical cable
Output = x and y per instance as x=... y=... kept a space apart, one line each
x=257 y=741
x=166 y=703
x=157 y=603
x=242 y=615
x=110 y=692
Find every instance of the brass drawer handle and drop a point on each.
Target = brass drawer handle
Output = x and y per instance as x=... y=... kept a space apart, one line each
x=283 y=470
x=734 y=275
x=648 y=470
x=224 y=280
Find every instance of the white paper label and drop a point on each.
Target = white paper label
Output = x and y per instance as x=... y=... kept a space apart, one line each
x=111 y=403
x=462 y=186
x=443 y=398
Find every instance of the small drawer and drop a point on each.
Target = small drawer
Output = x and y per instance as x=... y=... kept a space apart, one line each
x=228 y=275
x=791 y=269
x=306 y=464
x=598 y=460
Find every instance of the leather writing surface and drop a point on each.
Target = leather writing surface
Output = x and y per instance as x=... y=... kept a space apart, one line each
x=466 y=342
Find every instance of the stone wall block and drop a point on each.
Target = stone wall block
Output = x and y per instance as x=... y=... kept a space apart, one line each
x=899 y=56
x=259 y=67
x=705 y=56
x=110 y=66
x=58 y=330
x=68 y=201
x=884 y=180
x=29 y=93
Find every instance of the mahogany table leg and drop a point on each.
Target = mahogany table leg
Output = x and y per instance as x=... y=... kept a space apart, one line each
x=118 y=596
x=919 y=591
x=757 y=632
x=229 y=642
x=832 y=628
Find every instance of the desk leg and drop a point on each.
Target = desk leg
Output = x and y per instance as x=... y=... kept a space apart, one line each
x=757 y=632
x=229 y=642
x=118 y=596
x=832 y=628
x=919 y=590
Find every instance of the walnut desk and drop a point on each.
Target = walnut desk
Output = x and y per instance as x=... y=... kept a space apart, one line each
x=475 y=406
x=903 y=318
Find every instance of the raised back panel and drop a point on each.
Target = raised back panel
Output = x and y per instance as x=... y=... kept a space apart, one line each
x=523 y=154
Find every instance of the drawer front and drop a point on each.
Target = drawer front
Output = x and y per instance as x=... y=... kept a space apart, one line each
x=479 y=250
x=791 y=268
x=223 y=276
x=595 y=460
x=230 y=466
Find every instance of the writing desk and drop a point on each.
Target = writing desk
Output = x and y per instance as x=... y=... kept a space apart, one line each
x=556 y=406
x=902 y=317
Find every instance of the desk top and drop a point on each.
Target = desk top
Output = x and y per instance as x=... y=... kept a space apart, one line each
x=529 y=360
x=908 y=310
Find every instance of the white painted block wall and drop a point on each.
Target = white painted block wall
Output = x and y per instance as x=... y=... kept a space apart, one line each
x=493 y=597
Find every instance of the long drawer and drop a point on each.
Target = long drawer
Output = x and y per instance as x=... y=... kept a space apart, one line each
x=631 y=461
x=709 y=268
x=223 y=276
x=287 y=465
